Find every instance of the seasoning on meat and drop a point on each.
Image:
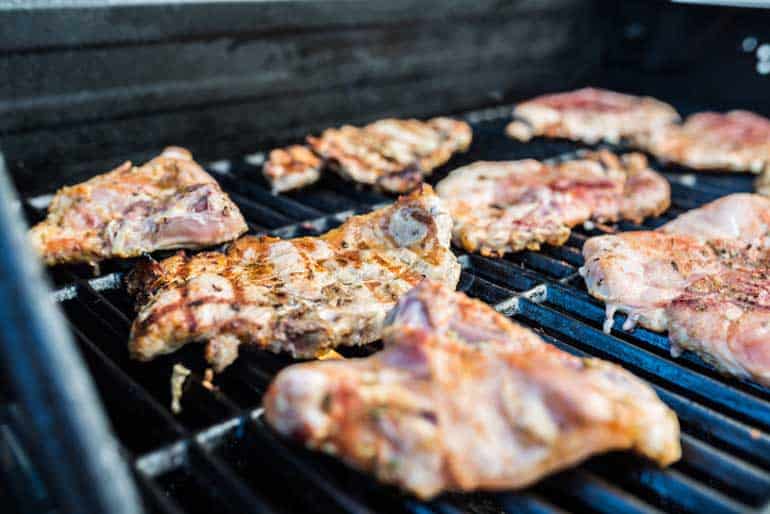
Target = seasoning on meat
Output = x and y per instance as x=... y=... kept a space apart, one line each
x=500 y=207
x=704 y=277
x=463 y=399
x=733 y=141
x=391 y=154
x=169 y=202
x=589 y=115
x=303 y=296
x=291 y=168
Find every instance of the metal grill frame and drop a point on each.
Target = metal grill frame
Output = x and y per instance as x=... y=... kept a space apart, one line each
x=219 y=453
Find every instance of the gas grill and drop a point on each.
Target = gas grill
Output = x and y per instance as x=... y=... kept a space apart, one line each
x=218 y=455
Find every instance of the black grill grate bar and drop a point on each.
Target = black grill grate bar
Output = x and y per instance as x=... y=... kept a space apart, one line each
x=709 y=182
x=329 y=184
x=477 y=287
x=117 y=315
x=134 y=400
x=751 y=444
x=264 y=437
x=123 y=379
x=499 y=272
x=251 y=211
x=655 y=369
x=527 y=504
x=666 y=488
x=751 y=483
x=231 y=492
x=711 y=426
x=578 y=303
x=356 y=192
x=328 y=201
x=586 y=308
x=687 y=198
x=736 y=477
x=722 y=426
x=165 y=459
x=156 y=499
x=690 y=181
x=257 y=445
x=593 y=492
x=279 y=203
x=199 y=403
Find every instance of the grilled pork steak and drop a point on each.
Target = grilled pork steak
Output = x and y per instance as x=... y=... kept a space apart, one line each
x=464 y=399
x=734 y=141
x=589 y=115
x=301 y=296
x=169 y=202
x=705 y=277
x=392 y=155
x=501 y=207
x=291 y=168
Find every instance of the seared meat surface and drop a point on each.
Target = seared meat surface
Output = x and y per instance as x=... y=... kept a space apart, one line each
x=392 y=155
x=501 y=207
x=733 y=141
x=301 y=296
x=741 y=216
x=464 y=399
x=169 y=202
x=705 y=277
x=291 y=168
x=589 y=115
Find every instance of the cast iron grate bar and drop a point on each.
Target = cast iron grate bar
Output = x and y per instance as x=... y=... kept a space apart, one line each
x=219 y=454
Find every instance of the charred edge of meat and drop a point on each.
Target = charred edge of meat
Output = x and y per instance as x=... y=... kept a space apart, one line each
x=140 y=279
x=403 y=180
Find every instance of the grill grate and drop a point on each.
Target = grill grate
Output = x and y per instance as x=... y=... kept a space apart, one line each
x=218 y=455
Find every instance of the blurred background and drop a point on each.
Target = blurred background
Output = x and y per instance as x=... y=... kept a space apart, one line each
x=84 y=81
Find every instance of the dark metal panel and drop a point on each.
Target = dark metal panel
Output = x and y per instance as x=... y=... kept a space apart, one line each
x=98 y=79
x=703 y=55
x=58 y=154
x=48 y=24
x=51 y=384
x=100 y=83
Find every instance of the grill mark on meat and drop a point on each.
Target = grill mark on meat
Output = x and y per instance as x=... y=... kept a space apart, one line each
x=704 y=277
x=301 y=295
x=501 y=207
x=392 y=155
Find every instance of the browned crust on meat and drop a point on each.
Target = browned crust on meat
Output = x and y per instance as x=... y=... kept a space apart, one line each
x=304 y=295
x=709 y=141
x=392 y=155
x=511 y=206
x=291 y=168
x=462 y=399
x=704 y=277
x=134 y=210
x=590 y=115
